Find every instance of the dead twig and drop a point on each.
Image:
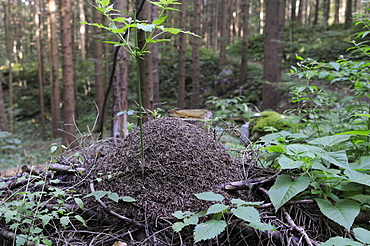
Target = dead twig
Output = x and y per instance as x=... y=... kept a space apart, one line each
x=297 y=228
x=112 y=212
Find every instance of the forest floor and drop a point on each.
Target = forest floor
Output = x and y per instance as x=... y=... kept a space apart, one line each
x=181 y=160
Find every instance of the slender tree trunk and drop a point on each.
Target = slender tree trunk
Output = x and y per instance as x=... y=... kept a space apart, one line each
x=348 y=15
x=54 y=64
x=69 y=138
x=3 y=119
x=9 y=54
x=154 y=51
x=98 y=60
x=274 y=33
x=244 y=64
x=120 y=87
x=301 y=8
x=195 y=99
x=224 y=33
x=82 y=29
x=182 y=52
x=326 y=8
x=336 y=11
x=261 y=15
x=316 y=17
x=40 y=66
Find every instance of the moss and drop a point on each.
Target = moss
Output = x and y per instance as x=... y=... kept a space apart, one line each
x=268 y=119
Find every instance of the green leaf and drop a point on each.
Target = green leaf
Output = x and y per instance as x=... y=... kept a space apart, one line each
x=146 y=27
x=79 y=218
x=248 y=214
x=161 y=20
x=338 y=158
x=105 y=2
x=217 y=208
x=114 y=196
x=128 y=199
x=362 y=235
x=98 y=194
x=79 y=202
x=343 y=212
x=335 y=65
x=64 y=221
x=357 y=177
x=172 y=30
x=192 y=220
x=329 y=140
x=358 y=132
x=209 y=196
x=45 y=219
x=362 y=164
x=239 y=202
x=208 y=230
x=296 y=149
x=340 y=241
x=287 y=163
x=285 y=189
x=363 y=199
x=178 y=226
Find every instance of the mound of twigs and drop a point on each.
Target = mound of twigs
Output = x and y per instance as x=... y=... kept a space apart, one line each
x=180 y=159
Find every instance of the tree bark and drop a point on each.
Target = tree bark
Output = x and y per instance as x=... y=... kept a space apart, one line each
x=326 y=8
x=3 y=119
x=40 y=66
x=146 y=61
x=273 y=49
x=195 y=99
x=82 y=35
x=69 y=138
x=224 y=33
x=244 y=64
x=120 y=87
x=9 y=54
x=348 y=15
x=98 y=66
x=182 y=64
x=54 y=64
x=316 y=17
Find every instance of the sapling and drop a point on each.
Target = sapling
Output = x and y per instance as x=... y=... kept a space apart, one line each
x=154 y=31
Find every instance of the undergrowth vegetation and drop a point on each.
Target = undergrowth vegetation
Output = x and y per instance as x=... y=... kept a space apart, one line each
x=323 y=157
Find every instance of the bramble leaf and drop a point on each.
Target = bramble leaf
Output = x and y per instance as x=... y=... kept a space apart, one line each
x=340 y=241
x=330 y=140
x=362 y=235
x=216 y=208
x=208 y=230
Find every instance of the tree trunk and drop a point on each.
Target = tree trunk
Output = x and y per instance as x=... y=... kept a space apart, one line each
x=146 y=61
x=244 y=64
x=326 y=8
x=182 y=61
x=120 y=87
x=348 y=15
x=274 y=32
x=195 y=99
x=98 y=60
x=69 y=138
x=82 y=18
x=9 y=54
x=54 y=67
x=316 y=17
x=224 y=33
x=40 y=66
x=336 y=11
x=3 y=119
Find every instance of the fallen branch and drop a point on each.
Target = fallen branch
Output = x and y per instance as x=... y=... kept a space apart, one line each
x=112 y=212
x=297 y=228
x=65 y=168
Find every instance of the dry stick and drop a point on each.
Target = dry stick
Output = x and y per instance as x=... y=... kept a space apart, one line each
x=112 y=212
x=297 y=228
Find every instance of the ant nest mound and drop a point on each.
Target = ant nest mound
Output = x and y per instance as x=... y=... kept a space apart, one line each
x=180 y=159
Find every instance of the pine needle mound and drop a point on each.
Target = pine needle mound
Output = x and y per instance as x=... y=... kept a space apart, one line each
x=180 y=159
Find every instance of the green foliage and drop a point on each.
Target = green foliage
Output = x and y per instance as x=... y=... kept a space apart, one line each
x=229 y=108
x=268 y=121
x=217 y=217
x=325 y=155
x=27 y=215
